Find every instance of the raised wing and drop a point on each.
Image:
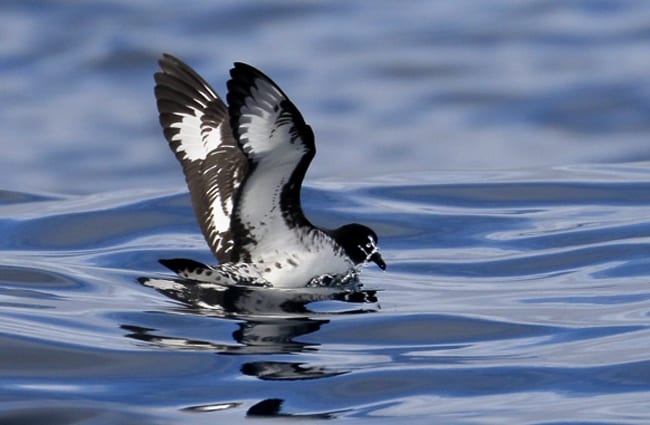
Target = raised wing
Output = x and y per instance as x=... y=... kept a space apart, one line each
x=279 y=145
x=197 y=126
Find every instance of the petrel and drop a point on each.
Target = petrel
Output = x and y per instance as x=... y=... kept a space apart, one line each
x=244 y=164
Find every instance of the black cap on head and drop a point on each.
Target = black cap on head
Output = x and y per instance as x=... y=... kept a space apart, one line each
x=360 y=243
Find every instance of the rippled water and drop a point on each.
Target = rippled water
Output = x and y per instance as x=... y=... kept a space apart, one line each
x=516 y=292
x=515 y=297
x=387 y=87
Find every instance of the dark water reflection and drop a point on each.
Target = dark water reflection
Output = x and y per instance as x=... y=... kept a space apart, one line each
x=270 y=321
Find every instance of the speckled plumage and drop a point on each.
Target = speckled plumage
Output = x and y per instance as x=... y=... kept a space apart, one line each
x=244 y=165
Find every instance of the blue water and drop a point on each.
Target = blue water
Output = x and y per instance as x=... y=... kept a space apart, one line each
x=498 y=149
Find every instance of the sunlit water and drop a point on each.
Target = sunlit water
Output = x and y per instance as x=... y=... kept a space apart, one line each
x=512 y=295
x=518 y=285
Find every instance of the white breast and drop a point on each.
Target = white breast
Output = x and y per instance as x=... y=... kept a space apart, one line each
x=301 y=259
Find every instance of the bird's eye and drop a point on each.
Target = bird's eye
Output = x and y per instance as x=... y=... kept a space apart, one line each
x=369 y=245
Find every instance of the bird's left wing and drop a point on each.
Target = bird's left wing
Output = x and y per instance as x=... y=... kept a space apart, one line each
x=197 y=126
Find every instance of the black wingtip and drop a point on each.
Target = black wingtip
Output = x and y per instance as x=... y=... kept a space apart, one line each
x=240 y=85
x=169 y=62
x=243 y=76
x=242 y=67
x=178 y=265
x=167 y=58
x=243 y=79
x=174 y=71
x=143 y=280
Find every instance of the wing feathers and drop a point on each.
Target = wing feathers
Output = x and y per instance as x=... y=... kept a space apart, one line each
x=196 y=124
x=244 y=164
x=279 y=146
x=262 y=117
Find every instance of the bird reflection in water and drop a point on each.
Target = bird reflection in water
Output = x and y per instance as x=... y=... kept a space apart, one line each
x=270 y=321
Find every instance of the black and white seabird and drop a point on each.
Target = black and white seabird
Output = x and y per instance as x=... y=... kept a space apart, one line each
x=244 y=164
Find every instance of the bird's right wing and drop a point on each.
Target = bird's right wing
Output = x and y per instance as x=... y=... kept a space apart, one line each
x=279 y=146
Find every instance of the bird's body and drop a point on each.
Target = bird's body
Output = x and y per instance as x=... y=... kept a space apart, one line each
x=244 y=164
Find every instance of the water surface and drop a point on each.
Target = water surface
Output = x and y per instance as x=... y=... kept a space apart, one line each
x=517 y=297
x=517 y=281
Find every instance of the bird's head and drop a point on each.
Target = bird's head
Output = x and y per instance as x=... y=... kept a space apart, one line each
x=360 y=243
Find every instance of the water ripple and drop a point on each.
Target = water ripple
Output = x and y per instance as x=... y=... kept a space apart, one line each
x=497 y=288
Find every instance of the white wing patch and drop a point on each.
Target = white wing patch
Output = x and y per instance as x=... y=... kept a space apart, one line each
x=244 y=165
x=194 y=141
x=265 y=127
x=284 y=245
x=197 y=126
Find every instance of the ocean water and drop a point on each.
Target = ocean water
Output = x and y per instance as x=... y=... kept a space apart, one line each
x=499 y=149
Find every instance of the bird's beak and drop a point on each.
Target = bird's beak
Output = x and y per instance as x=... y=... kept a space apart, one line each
x=376 y=258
